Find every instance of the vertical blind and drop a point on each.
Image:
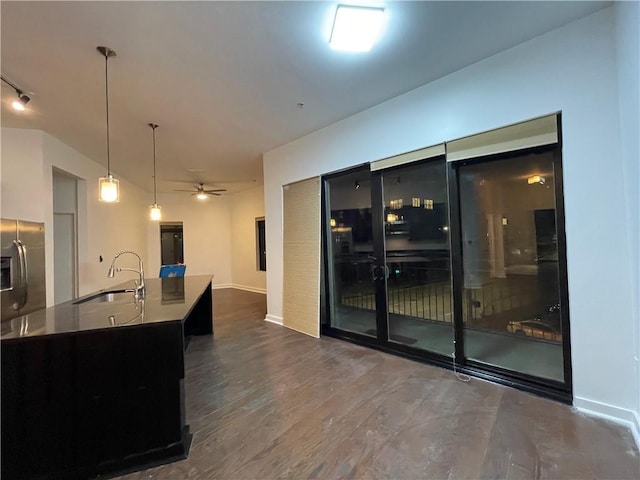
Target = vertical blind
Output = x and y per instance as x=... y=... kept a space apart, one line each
x=301 y=243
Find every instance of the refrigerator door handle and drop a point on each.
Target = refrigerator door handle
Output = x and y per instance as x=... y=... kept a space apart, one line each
x=17 y=283
x=25 y=275
x=22 y=259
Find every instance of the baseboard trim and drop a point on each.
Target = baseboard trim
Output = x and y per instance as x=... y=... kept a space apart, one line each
x=249 y=289
x=273 y=319
x=239 y=287
x=621 y=416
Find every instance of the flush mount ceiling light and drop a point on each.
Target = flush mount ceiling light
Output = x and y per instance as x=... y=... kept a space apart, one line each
x=356 y=29
x=22 y=100
x=108 y=186
x=155 y=213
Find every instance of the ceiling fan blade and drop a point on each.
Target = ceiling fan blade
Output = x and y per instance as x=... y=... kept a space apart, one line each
x=182 y=190
x=216 y=190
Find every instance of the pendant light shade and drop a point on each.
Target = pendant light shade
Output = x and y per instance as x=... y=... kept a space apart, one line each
x=108 y=187
x=155 y=213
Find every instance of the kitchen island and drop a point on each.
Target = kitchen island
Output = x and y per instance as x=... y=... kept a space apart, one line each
x=96 y=385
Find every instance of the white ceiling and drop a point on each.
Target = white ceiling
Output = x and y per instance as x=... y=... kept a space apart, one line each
x=224 y=79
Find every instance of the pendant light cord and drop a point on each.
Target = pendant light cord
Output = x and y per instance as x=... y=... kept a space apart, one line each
x=153 y=127
x=106 y=89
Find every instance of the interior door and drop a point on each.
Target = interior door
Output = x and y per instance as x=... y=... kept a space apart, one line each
x=64 y=259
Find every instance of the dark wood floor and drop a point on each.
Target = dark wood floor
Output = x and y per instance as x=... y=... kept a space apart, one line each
x=266 y=402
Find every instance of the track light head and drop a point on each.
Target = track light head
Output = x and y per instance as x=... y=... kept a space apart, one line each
x=18 y=105
x=23 y=98
x=21 y=102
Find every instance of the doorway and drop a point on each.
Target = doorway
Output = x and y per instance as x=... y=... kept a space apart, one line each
x=171 y=243
x=65 y=236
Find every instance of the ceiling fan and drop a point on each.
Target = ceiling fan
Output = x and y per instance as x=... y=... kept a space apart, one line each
x=201 y=193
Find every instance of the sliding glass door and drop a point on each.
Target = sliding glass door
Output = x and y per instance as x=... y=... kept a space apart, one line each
x=416 y=244
x=387 y=256
x=349 y=254
x=510 y=265
x=457 y=254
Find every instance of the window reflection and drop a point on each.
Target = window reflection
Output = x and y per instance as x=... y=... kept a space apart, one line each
x=350 y=254
x=511 y=306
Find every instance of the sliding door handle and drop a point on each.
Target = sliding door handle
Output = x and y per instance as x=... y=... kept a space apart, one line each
x=379 y=272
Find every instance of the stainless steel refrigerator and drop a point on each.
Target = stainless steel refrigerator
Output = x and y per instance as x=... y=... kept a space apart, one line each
x=22 y=270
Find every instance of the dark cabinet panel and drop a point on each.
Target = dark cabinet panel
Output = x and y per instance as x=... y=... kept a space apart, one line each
x=90 y=403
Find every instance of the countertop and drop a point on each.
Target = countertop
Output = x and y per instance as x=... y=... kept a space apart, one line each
x=165 y=299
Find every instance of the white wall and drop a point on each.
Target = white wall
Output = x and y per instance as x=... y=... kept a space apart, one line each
x=26 y=175
x=628 y=57
x=245 y=208
x=206 y=235
x=28 y=158
x=21 y=174
x=219 y=237
x=572 y=69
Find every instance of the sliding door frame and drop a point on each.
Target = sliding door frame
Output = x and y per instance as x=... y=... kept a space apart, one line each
x=561 y=391
x=381 y=341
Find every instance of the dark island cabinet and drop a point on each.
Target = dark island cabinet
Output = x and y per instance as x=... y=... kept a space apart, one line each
x=90 y=403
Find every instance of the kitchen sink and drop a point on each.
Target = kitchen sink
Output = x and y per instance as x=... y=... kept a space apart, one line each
x=107 y=296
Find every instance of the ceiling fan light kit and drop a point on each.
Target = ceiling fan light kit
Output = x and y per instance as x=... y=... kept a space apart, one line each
x=202 y=193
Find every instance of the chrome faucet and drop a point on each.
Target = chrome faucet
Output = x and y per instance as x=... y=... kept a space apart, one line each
x=139 y=289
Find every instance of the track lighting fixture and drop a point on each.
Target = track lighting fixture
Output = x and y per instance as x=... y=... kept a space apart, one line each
x=155 y=212
x=109 y=187
x=22 y=100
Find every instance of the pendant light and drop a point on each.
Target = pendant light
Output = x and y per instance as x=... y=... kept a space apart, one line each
x=155 y=213
x=108 y=187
